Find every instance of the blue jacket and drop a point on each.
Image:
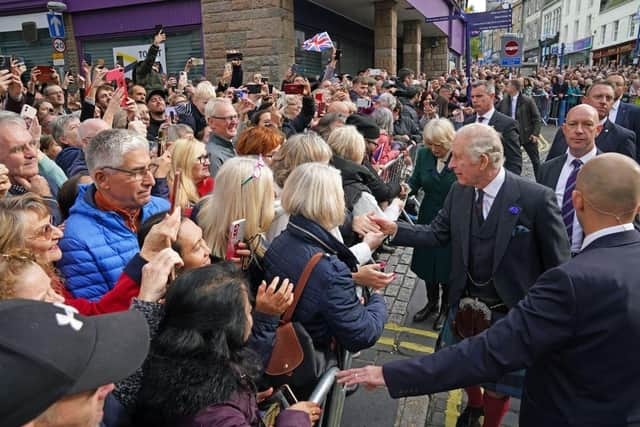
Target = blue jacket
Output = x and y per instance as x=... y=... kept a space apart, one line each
x=67 y=157
x=97 y=245
x=329 y=306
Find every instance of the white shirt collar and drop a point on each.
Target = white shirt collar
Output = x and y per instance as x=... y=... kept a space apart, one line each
x=496 y=184
x=487 y=116
x=616 y=105
x=605 y=232
x=603 y=121
x=590 y=155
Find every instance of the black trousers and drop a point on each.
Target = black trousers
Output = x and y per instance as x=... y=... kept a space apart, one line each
x=534 y=155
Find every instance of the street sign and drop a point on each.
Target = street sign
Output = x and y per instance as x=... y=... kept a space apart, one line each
x=56 y=25
x=511 y=52
x=59 y=45
x=58 y=59
x=493 y=20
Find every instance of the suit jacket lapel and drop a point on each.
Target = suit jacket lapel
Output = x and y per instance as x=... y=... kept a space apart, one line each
x=554 y=174
x=507 y=218
x=620 y=117
x=603 y=138
x=466 y=210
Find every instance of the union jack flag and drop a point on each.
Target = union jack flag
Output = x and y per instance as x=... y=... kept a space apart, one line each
x=318 y=43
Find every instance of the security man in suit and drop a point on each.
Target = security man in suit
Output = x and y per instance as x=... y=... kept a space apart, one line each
x=613 y=137
x=622 y=113
x=482 y=99
x=505 y=231
x=523 y=110
x=580 y=130
x=577 y=331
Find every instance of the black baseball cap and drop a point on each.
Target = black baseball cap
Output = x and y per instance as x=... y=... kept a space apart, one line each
x=365 y=125
x=160 y=92
x=48 y=351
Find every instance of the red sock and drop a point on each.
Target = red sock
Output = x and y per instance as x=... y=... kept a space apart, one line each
x=494 y=410
x=474 y=395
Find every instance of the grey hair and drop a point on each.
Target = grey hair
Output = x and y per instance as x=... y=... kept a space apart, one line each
x=109 y=147
x=212 y=106
x=9 y=117
x=491 y=89
x=88 y=126
x=175 y=132
x=387 y=100
x=485 y=140
x=384 y=119
x=58 y=125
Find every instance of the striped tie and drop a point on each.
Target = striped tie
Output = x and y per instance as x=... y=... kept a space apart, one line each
x=567 y=203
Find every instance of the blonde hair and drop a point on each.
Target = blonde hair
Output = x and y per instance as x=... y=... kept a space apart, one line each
x=185 y=151
x=314 y=191
x=439 y=131
x=13 y=264
x=298 y=149
x=12 y=226
x=205 y=91
x=232 y=200
x=348 y=143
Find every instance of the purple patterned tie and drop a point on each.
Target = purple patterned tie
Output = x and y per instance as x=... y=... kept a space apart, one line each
x=567 y=203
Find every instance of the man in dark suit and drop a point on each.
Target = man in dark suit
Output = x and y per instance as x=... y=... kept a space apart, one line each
x=482 y=99
x=577 y=331
x=622 y=113
x=523 y=110
x=612 y=138
x=504 y=232
x=580 y=130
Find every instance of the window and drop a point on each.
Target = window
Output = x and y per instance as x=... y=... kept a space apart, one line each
x=568 y=8
x=632 y=26
x=603 y=33
x=616 y=25
x=578 y=6
x=565 y=33
x=576 y=30
x=588 y=26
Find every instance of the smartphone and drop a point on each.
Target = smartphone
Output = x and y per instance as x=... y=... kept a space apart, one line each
x=363 y=103
x=239 y=93
x=234 y=56
x=170 y=112
x=46 y=73
x=253 y=89
x=236 y=235
x=264 y=80
x=197 y=62
x=295 y=68
x=5 y=62
x=338 y=54
x=87 y=58
x=375 y=72
x=293 y=89
x=288 y=394
x=28 y=113
x=174 y=190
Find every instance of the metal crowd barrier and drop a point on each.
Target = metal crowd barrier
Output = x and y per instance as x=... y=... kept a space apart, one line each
x=330 y=396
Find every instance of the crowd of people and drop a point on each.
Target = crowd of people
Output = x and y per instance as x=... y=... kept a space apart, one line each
x=153 y=236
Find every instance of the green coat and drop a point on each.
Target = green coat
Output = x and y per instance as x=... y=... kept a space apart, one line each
x=433 y=265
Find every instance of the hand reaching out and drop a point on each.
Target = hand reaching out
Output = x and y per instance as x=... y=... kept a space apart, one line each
x=161 y=235
x=370 y=376
x=371 y=276
x=388 y=227
x=155 y=274
x=273 y=301
x=362 y=224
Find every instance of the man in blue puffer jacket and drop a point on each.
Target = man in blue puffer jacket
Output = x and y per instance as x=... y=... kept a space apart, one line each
x=100 y=233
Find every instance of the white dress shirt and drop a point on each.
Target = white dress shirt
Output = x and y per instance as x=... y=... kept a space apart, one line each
x=514 y=103
x=567 y=168
x=589 y=239
x=614 y=111
x=491 y=192
x=487 y=116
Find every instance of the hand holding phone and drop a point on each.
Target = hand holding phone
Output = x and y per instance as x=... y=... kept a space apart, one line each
x=177 y=179
x=236 y=235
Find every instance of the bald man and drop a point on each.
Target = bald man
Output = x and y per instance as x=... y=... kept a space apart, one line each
x=580 y=131
x=339 y=107
x=577 y=331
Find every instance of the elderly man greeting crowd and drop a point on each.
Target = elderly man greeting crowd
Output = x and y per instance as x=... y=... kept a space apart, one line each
x=247 y=215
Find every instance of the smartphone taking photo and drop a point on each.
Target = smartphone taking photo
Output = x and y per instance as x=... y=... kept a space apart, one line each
x=236 y=235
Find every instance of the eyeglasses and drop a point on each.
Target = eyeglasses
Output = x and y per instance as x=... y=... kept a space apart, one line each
x=232 y=118
x=138 y=174
x=32 y=145
x=45 y=232
x=205 y=158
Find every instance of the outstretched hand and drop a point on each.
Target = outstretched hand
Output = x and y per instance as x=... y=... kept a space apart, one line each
x=388 y=227
x=161 y=235
x=370 y=376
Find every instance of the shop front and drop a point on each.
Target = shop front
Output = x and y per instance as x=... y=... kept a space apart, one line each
x=119 y=30
x=621 y=54
x=578 y=52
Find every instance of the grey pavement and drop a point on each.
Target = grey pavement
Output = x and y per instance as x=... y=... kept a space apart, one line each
x=404 y=339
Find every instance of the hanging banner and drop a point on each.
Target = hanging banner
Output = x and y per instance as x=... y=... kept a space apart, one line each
x=128 y=57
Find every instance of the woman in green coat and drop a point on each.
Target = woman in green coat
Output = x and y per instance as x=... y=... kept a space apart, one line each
x=432 y=174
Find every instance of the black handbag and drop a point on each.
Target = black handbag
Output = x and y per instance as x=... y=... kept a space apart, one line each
x=295 y=360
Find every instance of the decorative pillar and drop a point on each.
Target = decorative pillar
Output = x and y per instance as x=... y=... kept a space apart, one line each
x=386 y=36
x=262 y=30
x=435 y=56
x=411 y=48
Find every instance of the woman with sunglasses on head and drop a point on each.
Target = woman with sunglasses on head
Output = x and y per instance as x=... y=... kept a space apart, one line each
x=190 y=156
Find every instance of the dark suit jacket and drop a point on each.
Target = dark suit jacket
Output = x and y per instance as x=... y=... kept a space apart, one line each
x=613 y=139
x=531 y=237
x=549 y=171
x=509 y=133
x=629 y=118
x=527 y=116
x=578 y=334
